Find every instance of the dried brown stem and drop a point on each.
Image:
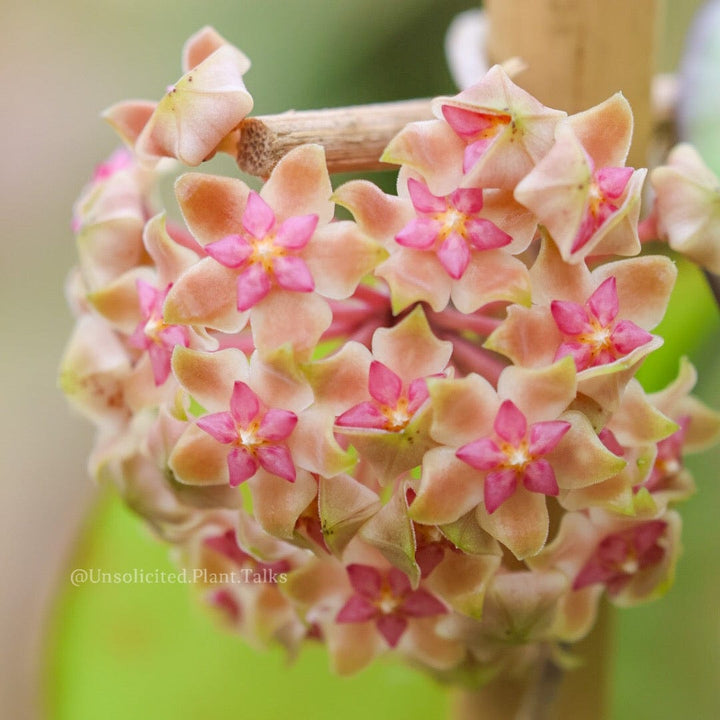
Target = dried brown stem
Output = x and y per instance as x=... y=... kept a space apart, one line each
x=354 y=137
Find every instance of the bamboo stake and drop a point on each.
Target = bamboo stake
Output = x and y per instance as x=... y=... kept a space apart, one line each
x=579 y=52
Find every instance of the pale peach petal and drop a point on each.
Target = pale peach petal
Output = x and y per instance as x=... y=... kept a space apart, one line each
x=129 y=117
x=421 y=642
x=201 y=45
x=605 y=131
x=339 y=255
x=415 y=276
x=108 y=249
x=205 y=294
x=199 y=459
x=637 y=421
x=449 y=488
x=93 y=369
x=432 y=149
x=528 y=336
x=171 y=259
x=554 y=279
x=541 y=394
x=688 y=206
x=520 y=523
x=314 y=446
x=463 y=409
x=285 y=317
x=462 y=581
x=491 y=276
x=340 y=381
x=501 y=208
x=210 y=377
x=644 y=285
x=410 y=349
x=211 y=205
x=118 y=302
x=277 y=504
x=279 y=381
x=580 y=458
x=378 y=215
x=300 y=185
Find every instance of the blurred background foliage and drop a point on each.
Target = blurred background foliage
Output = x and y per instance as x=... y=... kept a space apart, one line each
x=150 y=651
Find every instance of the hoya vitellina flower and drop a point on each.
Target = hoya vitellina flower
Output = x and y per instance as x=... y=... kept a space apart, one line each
x=687 y=206
x=419 y=430
x=197 y=112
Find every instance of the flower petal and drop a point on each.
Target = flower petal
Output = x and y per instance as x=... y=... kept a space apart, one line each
x=258 y=217
x=363 y=415
x=295 y=232
x=544 y=436
x=603 y=303
x=356 y=609
x=540 y=478
x=232 y=251
x=276 y=459
x=454 y=255
x=423 y=200
x=220 y=425
x=293 y=274
x=510 y=424
x=244 y=404
x=486 y=235
x=366 y=580
x=499 y=486
x=241 y=466
x=571 y=318
x=253 y=284
x=420 y=234
x=627 y=336
x=277 y=424
x=391 y=627
x=384 y=385
x=482 y=454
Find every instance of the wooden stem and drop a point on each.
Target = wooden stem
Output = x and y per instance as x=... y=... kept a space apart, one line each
x=354 y=137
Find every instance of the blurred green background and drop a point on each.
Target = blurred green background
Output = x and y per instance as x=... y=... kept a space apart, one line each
x=150 y=651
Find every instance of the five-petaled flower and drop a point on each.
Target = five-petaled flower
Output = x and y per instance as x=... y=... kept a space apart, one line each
x=388 y=600
x=266 y=252
x=450 y=226
x=153 y=334
x=515 y=454
x=621 y=555
x=592 y=335
x=255 y=435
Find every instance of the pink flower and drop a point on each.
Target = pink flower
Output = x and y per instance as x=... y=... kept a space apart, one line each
x=255 y=435
x=154 y=335
x=619 y=556
x=450 y=226
x=391 y=407
x=580 y=191
x=388 y=600
x=515 y=454
x=266 y=253
x=592 y=335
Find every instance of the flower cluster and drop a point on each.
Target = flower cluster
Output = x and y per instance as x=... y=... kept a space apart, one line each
x=426 y=418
